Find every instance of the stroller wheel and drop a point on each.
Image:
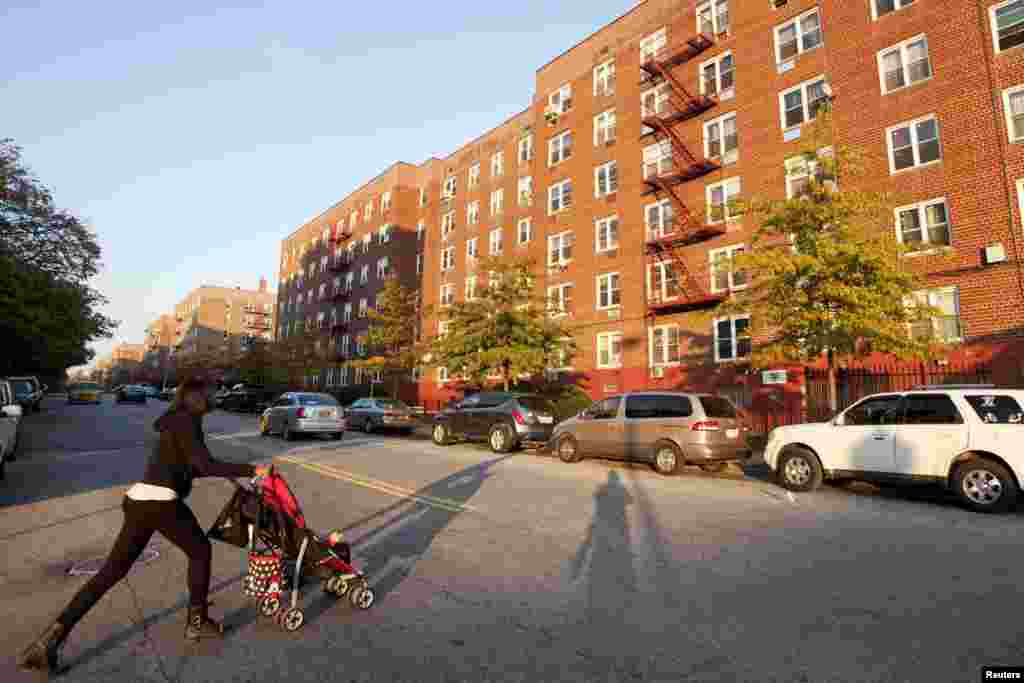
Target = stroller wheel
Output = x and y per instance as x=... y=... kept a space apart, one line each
x=366 y=598
x=293 y=619
x=270 y=606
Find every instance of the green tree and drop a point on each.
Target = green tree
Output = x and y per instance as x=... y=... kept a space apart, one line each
x=393 y=345
x=505 y=329
x=824 y=269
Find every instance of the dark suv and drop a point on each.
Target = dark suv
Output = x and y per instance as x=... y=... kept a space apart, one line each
x=505 y=420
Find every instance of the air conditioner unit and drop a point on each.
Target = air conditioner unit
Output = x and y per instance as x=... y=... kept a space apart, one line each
x=995 y=253
x=657 y=372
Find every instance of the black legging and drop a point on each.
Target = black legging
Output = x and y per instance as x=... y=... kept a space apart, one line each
x=175 y=522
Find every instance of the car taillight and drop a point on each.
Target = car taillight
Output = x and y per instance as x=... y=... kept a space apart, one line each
x=518 y=417
x=301 y=412
x=705 y=426
x=390 y=413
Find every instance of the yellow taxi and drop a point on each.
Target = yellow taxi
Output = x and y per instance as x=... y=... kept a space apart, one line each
x=85 y=392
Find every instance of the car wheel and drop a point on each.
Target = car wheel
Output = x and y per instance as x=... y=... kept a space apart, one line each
x=985 y=485
x=368 y=425
x=337 y=436
x=800 y=469
x=441 y=435
x=264 y=425
x=568 y=450
x=667 y=457
x=501 y=439
x=287 y=434
x=714 y=467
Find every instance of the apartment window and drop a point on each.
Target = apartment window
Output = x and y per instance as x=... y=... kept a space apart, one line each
x=497 y=201
x=524 y=231
x=559 y=196
x=448 y=258
x=363 y=306
x=367 y=239
x=346 y=340
x=442 y=327
x=799 y=171
x=526 y=191
x=732 y=338
x=560 y=248
x=493 y=280
x=474 y=176
x=442 y=375
x=904 y=64
x=609 y=350
x=913 y=144
x=560 y=299
x=718 y=77
x=560 y=101
x=384 y=234
x=607 y=233
x=608 y=293
x=720 y=139
x=1013 y=105
x=447 y=294
x=449 y=187
x=470 y=288
x=497 y=164
x=421 y=228
x=945 y=326
x=606 y=179
x=560 y=148
x=604 y=127
x=382 y=268
x=495 y=242
x=423 y=196
x=350 y=281
x=652 y=46
x=360 y=351
x=471 y=251
x=1007 y=24
x=352 y=252
x=713 y=17
x=664 y=282
x=664 y=345
x=604 y=78
x=473 y=213
x=419 y=264
x=797 y=36
x=323 y=292
x=447 y=224
x=660 y=220
x=724 y=277
x=800 y=104
x=720 y=200
x=880 y=8
x=657 y=159
x=385 y=201
x=525 y=149
x=655 y=102
x=368 y=211
x=364 y=275
x=923 y=225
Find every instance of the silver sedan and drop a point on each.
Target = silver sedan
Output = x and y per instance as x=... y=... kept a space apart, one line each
x=370 y=414
x=303 y=413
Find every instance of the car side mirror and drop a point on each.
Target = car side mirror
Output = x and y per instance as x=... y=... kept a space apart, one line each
x=838 y=420
x=12 y=411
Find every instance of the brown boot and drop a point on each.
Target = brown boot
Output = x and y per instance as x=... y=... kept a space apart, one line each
x=44 y=653
x=200 y=625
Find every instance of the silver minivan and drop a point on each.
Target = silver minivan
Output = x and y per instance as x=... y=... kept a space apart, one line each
x=665 y=428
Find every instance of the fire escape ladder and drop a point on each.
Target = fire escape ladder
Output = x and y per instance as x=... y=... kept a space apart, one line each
x=693 y=294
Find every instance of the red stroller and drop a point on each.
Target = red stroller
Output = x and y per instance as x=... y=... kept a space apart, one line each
x=266 y=519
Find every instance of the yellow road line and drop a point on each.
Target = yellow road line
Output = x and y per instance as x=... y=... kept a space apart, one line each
x=378 y=485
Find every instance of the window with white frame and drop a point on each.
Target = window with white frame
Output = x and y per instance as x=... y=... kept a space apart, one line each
x=497 y=164
x=474 y=176
x=367 y=240
x=442 y=375
x=724 y=276
x=718 y=77
x=525 y=231
x=363 y=306
x=653 y=46
x=382 y=268
x=657 y=159
x=801 y=103
x=944 y=326
x=604 y=78
x=494 y=242
x=609 y=350
x=559 y=196
x=607 y=233
x=904 y=64
x=663 y=282
x=798 y=35
x=419 y=264
x=343 y=374
x=350 y=281
x=360 y=351
x=471 y=250
x=352 y=252
x=353 y=219
x=321 y=321
x=421 y=227
x=732 y=338
x=913 y=144
x=497 y=201
x=447 y=294
x=713 y=17
x=385 y=201
x=358 y=373
x=442 y=327
x=721 y=140
x=560 y=299
x=447 y=258
x=560 y=101
x=447 y=224
x=1013 y=106
x=924 y=225
x=1007 y=20
x=470 y=287
x=323 y=290
x=606 y=179
x=608 y=293
x=604 y=127
x=525 y=189
x=364 y=275
x=659 y=219
x=800 y=170
x=880 y=8
x=368 y=210
x=560 y=248
x=473 y=213
x=384 y=234
x=526 y=149
x=655 y=102
x=664 y=345
x=721 y=199
x=449 y=187
x=423 y=196
x=560 y=148
x=493 y=279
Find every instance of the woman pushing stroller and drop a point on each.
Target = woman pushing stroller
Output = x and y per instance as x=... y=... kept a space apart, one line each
x=156 y=504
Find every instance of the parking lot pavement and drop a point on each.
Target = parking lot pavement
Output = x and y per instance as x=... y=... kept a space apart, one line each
x=519 y=567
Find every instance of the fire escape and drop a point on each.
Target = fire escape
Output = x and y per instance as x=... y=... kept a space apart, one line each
x=339 y=265
x=681 y=289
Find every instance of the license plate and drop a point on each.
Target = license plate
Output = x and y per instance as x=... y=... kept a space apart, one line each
x=732 y=433
x=545 y=419
x=325 y=413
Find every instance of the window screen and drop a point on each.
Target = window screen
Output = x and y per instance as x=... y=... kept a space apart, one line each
x=997 y=409
x=930 y=409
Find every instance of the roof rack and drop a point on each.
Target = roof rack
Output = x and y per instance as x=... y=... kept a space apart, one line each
x=940 y=387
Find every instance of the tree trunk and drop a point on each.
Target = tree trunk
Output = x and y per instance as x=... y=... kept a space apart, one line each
x=833 y=389
x=504 y=374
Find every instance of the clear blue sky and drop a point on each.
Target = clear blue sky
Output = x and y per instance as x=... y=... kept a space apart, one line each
x=194 y=139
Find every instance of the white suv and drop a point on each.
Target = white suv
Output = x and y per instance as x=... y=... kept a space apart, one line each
x=10 y=420
x=969 y=438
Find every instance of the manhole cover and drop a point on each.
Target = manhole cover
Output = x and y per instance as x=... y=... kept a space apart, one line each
x=93 y=566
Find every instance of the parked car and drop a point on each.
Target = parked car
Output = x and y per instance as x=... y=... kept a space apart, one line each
x=84 y=392
x=297 y=413
x=369 y=414
x=668 y=429
x=151 y=391
x=167 y=393
x=505 y=420
x=28 y=392
x=966 y=438
x=131 y=393
x=218 y=398
x=249 y=398
x=10 y=423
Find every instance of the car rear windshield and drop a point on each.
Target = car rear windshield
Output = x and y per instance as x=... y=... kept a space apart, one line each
x=716 y=406
x=22 y=387
x=997 y=409
x=536 y=405
x=391 y=404
x=316 y=400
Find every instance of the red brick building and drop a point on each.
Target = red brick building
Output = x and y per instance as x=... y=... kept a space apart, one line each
x=616 y=178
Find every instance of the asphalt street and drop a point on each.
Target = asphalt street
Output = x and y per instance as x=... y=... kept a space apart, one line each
x=515 y=568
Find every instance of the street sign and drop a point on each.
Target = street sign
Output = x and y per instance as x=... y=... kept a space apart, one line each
x=773 y=376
